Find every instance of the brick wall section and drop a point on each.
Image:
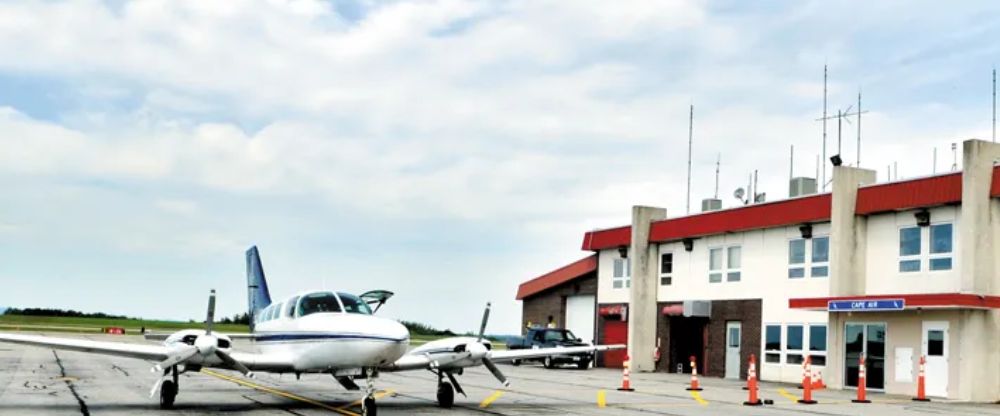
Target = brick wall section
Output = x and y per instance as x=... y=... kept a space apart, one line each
x=748 y=312
x=537 y=309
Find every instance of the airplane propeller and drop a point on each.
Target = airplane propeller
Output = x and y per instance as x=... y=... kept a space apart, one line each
x=485 y=357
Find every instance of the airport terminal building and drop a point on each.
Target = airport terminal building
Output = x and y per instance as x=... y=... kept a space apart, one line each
x=890 y=271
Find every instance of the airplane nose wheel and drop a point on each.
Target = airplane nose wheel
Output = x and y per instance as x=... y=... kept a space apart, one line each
x=445 y=395
x=368 y=406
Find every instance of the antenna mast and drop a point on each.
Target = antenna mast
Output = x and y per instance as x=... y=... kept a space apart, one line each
x=690 y=141
x=718 y=159
x=954 y=157
x=934 y=168
x=857 y=157
x=994 y=105
x=791 y=164
x=823 y=158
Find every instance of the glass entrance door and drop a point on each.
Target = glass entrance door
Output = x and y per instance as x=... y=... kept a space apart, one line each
x=868 y=340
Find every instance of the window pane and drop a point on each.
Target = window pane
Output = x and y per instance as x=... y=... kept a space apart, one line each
x=354 y=304
x=909 y=241
x=796 y=273
x=821 y=250
x=818 y=359
x=793 y=359
x=734 y=257
x=817 y=337
x=734 y=337
x=619 y=268
x=935 y=343
x=628 y=267
x=715 y=259
x=772 y=358
x=291 y=306
x=666 y=281
x=941 y=238
x=772 y=337
x=616 y=284
x=715 y=277
x=667 y=263
x=941 y=264
x=797 y=252
x=909 y=266
x=733 y=277
x=794 y=340
x=820 y=271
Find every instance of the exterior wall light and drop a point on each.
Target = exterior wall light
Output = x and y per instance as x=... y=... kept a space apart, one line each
x=806 y=230
x=688 y=244
x=923 y=217
x=623 y=251
x=836 y=160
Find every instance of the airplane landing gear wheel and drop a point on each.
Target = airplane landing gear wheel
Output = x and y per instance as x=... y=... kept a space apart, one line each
x=368 y=407
x=446 y=395
x=168 y=392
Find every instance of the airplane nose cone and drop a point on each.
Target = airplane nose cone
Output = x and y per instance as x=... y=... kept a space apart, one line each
x=398 y=331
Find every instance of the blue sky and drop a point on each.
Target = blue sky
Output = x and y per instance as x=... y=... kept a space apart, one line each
x=445 y=150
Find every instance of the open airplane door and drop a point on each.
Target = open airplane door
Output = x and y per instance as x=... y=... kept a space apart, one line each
x=376 y=297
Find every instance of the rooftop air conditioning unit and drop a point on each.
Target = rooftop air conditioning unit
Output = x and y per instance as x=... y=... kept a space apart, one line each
x=711 y=204
x=801 y=187
x=699 y=308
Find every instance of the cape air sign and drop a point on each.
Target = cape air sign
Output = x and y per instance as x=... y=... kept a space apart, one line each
x=866 y=305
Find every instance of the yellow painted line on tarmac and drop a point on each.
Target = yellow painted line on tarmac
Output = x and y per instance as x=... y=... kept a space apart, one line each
x=489 y=400
x=784 y=393
x=280 y=393
x=697 y=398
x=602 y=399
x=378 y=395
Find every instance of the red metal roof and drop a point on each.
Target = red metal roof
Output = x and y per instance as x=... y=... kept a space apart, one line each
x=894 y=196
x=916 y=193
x=929 y=300
x=557 y=277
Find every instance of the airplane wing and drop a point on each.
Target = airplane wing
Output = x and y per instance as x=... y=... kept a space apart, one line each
x=409 y=362
x=157 y=336
x=508 y=355
x=119 y=349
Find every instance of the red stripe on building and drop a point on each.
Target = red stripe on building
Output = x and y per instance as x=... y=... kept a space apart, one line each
x=916 y=193
x=557 y=277
x=773 y=214
x=931 y=300
x=608 y=238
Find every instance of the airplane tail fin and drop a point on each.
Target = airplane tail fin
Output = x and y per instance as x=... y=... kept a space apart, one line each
x=258 y=295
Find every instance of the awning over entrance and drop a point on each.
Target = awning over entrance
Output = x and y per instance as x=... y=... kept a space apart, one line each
x=884 y=303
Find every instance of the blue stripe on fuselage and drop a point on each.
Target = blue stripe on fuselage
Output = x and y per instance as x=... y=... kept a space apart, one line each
x=299 y=336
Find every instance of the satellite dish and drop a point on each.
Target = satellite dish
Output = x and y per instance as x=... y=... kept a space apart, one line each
x=739 y=193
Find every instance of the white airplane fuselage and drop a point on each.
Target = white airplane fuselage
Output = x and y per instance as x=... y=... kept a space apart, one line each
x=329 y=341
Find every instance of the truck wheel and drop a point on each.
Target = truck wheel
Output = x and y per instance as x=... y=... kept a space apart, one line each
x=515 y=363
x=548 y=363
x=583 y=365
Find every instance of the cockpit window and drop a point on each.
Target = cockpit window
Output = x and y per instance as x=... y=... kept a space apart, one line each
x=291 y=306
x=354 y=304
x=276 y=313
x=316 y=303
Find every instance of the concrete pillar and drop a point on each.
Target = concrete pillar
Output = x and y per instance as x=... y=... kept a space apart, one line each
x=642 y=311
x=848 y=237
x=847 y=232
x=979 y=359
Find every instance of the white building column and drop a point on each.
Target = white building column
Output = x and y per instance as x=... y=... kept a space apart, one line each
x=979 y=357
x=642 y=311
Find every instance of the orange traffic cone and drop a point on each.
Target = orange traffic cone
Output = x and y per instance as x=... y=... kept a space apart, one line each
x=921 y=393
x=862 y=380
x=753 y=400
x=807 y=382
x=626 y=385
x=817 y=381
x=694 y=377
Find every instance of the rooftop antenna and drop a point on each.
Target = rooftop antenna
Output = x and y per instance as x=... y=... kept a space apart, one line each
x=895 y=170
x=690 y=141
x=994 y=105
x=934 y=168
x=843 y=115
x=954 y=157
x=857 y=157
x=750 y=190
x=818 y=164
x=824 y=129
x=791 y=164
x=888 y=173
x=754 y=194
x=718 y=160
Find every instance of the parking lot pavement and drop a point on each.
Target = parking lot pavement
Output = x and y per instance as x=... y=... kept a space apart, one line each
x=42 y=382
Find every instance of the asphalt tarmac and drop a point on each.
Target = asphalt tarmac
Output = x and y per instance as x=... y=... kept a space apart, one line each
x=38 y=381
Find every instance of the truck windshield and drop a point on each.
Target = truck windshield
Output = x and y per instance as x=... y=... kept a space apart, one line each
x=559 y=336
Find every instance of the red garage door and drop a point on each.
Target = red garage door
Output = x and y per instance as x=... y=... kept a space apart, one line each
x=615 y=332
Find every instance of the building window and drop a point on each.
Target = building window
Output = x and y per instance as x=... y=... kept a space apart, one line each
x=820 y=257
x=715 y=265
x=817 y=252
x=796 y=259
x=666 y=269
x=817 y=344
x=941 y=246
x=621 y=276
x=731 y=257
x=939 y=250
x=793 y=344
x=772 y=344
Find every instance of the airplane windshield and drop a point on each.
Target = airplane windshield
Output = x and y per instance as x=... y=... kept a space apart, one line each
x=316 y=303
x=354 y=304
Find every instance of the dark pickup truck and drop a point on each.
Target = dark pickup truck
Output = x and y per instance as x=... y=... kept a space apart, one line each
x=550 y=338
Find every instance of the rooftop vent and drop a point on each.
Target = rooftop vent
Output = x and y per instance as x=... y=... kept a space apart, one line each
x=711 y=204
x=801 y=187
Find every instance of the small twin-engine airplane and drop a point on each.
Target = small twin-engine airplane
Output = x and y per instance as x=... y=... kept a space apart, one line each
x=313 y=332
